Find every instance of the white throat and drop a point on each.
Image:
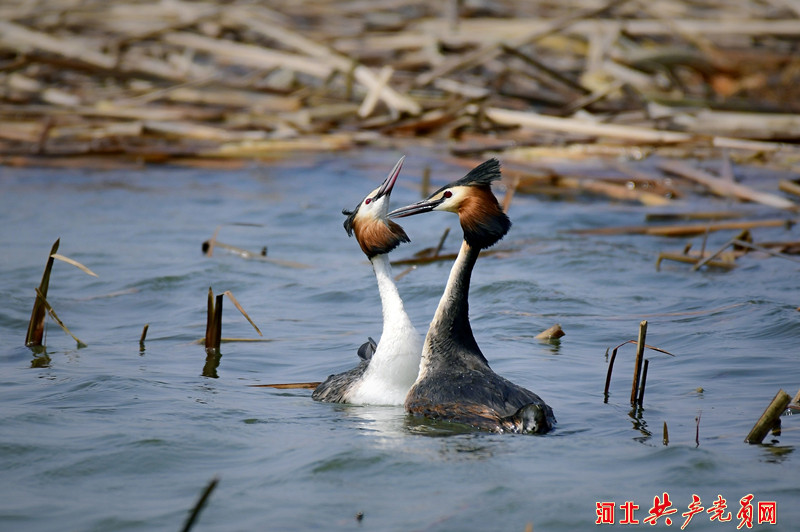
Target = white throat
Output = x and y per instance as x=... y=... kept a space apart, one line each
x=395 y=364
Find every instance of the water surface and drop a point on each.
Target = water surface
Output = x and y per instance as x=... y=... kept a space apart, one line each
x=111 y=437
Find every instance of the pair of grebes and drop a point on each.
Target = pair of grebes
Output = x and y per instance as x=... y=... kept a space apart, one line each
x=446 y=377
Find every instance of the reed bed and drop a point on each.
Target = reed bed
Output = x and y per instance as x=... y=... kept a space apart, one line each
x=168 y=81
x=570 y=94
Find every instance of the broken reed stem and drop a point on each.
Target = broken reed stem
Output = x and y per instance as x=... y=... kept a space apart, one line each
x=510 y=190
x=697 y=429
x=143 y=336
x=426 y=182
x=209 y=320
x=57 y=320
x=640 y=399
x=638 y=364
x=213 y=322
x=241 y=309
x=35 y=332
x=440 y=245
x=769 y=418
x=756 y=247
x=699 y=264
x=608 y=373
x=201 y=502
x=217 y=338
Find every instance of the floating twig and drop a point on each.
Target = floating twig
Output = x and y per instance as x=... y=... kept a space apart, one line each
x=288 y=386
x=769 y=418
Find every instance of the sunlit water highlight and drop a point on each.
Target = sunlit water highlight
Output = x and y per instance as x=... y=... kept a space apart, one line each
x=109 y=437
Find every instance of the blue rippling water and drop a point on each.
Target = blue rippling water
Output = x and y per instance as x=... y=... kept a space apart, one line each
x=113 y=437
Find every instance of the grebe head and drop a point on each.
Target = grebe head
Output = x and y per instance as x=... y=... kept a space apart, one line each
x=369 y=221
x=482 y=219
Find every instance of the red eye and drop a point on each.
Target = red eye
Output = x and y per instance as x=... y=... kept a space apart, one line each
x=367 y=201
x=447 y=194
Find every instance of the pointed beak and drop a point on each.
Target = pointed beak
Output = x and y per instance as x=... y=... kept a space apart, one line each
x=426 y=205
x=386 y=187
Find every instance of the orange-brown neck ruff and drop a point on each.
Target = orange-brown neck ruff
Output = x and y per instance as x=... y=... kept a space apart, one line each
x=377 y=237
x=482 y=219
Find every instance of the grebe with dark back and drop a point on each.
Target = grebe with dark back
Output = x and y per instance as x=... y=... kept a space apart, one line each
x=455 y=382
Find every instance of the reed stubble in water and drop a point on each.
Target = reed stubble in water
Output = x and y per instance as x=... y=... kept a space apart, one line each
x=639 y=378
x=770 y=417
x=35 y=335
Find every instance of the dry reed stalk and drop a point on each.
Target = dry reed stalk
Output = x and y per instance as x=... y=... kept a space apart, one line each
x=493 y=49
x=585 y=127
x=790 y=187
x=707 y=215
x=726 y=188
x=240 y=309
x=179 y=81
x=769 y=418
x=694 y=260
x=681 y=230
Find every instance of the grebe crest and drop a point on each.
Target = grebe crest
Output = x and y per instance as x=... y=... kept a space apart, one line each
x=455 y=381
x=385 y=377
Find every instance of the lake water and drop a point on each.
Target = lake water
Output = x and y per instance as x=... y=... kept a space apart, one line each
x=111 y=437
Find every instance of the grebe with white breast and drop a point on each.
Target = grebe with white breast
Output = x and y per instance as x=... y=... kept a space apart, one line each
x=385 y=376
x=455 y=382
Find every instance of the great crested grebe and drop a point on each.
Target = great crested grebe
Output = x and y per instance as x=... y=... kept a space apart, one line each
x=455 y=381
x=385 y=376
